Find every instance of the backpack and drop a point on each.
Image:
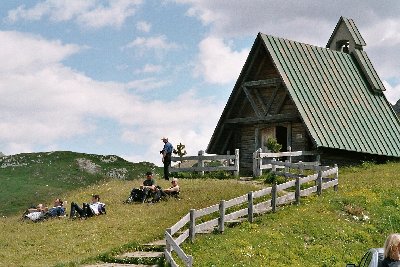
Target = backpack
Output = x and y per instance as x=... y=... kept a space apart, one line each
x=136 y=195
x=157 y=194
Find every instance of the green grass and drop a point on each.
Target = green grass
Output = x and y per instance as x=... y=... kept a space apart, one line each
x=42 y=177
x=66 y=242
x=321 y=231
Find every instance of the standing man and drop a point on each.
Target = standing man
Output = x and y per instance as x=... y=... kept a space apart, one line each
x=166 y=156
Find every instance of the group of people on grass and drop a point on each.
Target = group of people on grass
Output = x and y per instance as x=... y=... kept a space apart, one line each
x=41 y=212
x=148 y=190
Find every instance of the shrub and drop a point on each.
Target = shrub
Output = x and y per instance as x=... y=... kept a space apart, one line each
x=273 y=145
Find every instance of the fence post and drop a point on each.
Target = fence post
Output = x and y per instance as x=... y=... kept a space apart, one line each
x=167 y=244
x=301 y=167
x=250 y=206
x=319 y=183
x=221 y=219
x=236 y=172
x=335 y=187
x=287 y=169
x=189 y=261
x=297 y=193
x=289 y=148
x=273 y=197
x=192 y=226
x=201 y=161
x=257 y=163
x=273 y=165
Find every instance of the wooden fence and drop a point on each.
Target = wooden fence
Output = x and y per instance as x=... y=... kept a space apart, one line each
x=259 y=164
x=185 y=228
x=201 y=163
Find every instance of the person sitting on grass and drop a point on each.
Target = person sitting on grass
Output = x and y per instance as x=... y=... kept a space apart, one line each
x=88 y=210
x=148 y=187
x=173 y=190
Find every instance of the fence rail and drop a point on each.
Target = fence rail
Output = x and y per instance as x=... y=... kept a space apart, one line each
x=187 y=225
x=260 y=157
x=201 y=159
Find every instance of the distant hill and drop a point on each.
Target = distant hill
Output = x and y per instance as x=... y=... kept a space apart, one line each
x=32 y=178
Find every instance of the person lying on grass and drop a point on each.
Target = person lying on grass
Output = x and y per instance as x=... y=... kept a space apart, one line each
x=42 y=212
x=88 y=209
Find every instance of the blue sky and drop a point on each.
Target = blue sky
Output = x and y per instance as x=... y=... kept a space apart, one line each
x=114 y=76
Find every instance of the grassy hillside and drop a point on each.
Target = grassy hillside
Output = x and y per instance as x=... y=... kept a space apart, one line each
x=66 y=242
x=28 y=179
x=331 y=230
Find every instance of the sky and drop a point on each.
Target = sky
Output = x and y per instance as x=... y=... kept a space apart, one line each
x=112 y=77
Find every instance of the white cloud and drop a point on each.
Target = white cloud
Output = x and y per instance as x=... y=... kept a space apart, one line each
x=143 y=26
x=191 y=124
x=305 y=21
x=157 y=43
x=24 y=52
x=150 y=68
x=88 y=13
x=218 y=62
x=384 y=33
x=113 y=15
x=392 y=93
x=45 y=103
x=146 y=84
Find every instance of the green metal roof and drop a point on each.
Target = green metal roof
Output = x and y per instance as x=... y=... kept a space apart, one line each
x=366 y=66
x=334 y=98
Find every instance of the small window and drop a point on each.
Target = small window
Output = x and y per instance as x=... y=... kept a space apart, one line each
x=343 y=46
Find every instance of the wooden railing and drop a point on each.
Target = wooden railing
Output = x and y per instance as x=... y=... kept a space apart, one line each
x=259 y=164
x=185 y=228
x=201 y=163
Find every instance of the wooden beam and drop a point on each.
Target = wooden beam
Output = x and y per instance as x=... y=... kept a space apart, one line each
x=226 y=141
x=266 y=82
x=281 y=102
x=257 y=48
x=259 y=99
x=261 y=64
x=271 y=101
x=251 y=100
x=267 y=119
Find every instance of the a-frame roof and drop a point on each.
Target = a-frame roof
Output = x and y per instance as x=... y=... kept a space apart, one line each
x=334 y=98
x=340 y=103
